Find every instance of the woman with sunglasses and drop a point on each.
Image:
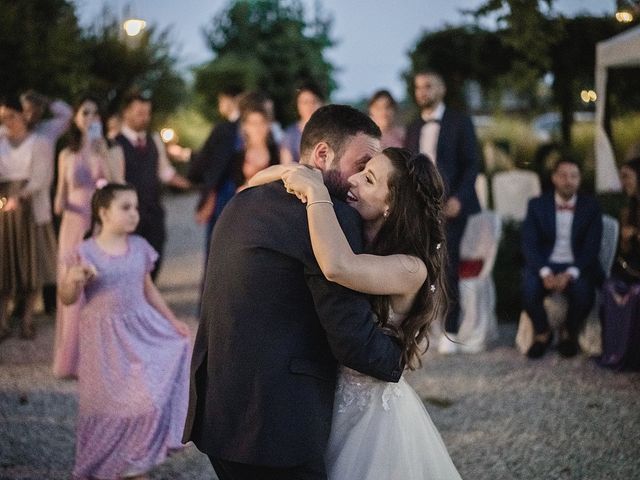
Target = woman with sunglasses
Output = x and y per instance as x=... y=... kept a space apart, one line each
x=85 y=162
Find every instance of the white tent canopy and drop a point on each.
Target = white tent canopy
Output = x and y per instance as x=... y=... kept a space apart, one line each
x=623 y=50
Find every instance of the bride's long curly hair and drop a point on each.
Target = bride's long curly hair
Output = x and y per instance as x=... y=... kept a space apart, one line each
x=415 y=226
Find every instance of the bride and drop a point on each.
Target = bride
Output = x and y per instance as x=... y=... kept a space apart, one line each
x=381 y=430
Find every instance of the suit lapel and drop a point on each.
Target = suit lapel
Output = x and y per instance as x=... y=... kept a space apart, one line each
x=443 y=137
x=578 y=216
x=549 y=213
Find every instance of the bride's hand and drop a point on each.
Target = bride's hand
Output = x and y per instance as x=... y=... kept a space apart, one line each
x=268 y=175
x=305 y=183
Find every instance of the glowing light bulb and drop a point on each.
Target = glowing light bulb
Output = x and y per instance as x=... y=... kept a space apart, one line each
x=134 y=26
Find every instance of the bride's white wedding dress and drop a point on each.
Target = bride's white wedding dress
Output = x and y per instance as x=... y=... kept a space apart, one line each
x=382 y=431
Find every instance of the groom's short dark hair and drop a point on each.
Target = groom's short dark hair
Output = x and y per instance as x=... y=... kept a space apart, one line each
x=334 y=124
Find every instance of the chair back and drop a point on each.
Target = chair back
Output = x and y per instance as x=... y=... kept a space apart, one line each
x=482 y=190
x=512 y=191
x=610 y=232
x=481 y=239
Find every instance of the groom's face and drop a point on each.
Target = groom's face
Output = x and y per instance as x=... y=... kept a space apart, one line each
x=357 y=151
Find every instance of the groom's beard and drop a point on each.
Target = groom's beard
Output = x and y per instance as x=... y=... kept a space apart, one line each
x=336 y=185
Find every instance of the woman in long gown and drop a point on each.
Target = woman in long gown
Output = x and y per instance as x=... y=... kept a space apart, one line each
x=27 y=241
x=82 y=164
x=381 y=430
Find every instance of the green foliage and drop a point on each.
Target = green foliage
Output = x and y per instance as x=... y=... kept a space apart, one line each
x=43 y=47
x=144 y=63
x=461 y=54
x=268 y=45
x=40 y=46
x=190 y=126
x=226 y=71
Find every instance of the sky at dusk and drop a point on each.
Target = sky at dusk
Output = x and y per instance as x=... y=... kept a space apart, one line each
x=373 y=36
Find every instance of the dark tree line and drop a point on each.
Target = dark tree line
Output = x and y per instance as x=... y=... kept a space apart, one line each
x=42 y=46
x=530 y=43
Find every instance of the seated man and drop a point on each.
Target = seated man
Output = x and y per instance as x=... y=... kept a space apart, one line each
x=561 y=238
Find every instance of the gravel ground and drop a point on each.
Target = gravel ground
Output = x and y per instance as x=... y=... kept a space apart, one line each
x=500 y=415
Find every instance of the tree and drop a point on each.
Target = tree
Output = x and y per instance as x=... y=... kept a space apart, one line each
x=267 y=45
x=461 y=54
x=43 y=47
x=545 y=42
x=40 y=47
x=573 y=62
x=115 y=66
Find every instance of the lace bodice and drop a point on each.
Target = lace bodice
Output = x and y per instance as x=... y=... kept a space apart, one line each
x=357 y=390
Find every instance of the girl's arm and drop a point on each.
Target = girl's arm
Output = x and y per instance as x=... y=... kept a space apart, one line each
x=74 y=279
x=155 y=299
x=61 y=187
x=372 y=274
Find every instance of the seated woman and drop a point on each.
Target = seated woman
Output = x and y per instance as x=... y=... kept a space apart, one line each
x=621 y=306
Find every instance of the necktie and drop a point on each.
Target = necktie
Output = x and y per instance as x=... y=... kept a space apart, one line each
x=141 y=143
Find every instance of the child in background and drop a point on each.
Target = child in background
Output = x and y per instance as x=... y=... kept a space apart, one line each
x=134 y=353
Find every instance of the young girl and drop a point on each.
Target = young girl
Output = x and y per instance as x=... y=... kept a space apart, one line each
x=86 y=160
x=381 y=430
x=134 y=353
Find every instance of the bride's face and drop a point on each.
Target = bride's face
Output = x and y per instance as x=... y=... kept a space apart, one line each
x=369 y=189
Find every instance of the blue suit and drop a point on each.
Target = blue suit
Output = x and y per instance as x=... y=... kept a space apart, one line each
x=457 y=162
x=538 y=240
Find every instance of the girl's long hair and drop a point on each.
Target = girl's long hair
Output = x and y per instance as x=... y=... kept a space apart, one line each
x=102 y=198
x=415 y=226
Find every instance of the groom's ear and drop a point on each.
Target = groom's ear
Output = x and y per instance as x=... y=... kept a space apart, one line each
x=322 y=156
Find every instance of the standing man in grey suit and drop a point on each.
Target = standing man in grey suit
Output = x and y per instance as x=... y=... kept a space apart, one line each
x=273 y=328
x=447 y=137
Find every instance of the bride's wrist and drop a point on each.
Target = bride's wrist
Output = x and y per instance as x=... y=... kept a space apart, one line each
x=318 y=195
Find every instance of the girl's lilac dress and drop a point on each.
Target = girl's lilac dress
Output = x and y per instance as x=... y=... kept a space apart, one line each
x=133 y=369
x=76 y=220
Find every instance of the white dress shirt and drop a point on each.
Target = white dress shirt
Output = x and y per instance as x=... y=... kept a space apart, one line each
x=430 y=132
x=165 y=171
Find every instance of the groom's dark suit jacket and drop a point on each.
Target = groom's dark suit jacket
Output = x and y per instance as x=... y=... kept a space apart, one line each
x=263 y=371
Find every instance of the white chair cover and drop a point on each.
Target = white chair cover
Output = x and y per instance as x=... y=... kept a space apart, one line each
x=482 y=190
x=590 y=339
x=478 y=323
x=512 y=190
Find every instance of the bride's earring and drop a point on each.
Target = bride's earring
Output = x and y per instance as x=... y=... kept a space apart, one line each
x=385 y=214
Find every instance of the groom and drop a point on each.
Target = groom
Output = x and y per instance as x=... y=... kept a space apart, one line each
x=273 y=329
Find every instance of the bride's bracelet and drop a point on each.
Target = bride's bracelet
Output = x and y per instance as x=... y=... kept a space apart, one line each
x=319 y=201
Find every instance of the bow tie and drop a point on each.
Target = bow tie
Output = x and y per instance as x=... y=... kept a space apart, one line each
x=565 y=208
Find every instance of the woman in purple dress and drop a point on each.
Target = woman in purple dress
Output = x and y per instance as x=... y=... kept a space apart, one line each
x=84 y=161
x=134 y=354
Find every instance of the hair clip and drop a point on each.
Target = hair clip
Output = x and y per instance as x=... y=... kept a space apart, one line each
x=101 y=183
x=438 y=246
x=432 y=288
